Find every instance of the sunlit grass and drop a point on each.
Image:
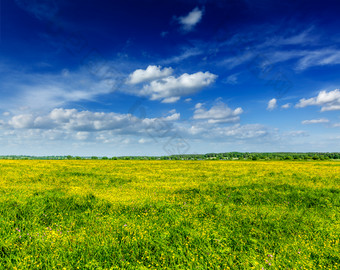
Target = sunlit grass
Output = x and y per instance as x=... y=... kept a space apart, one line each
x=96 y=214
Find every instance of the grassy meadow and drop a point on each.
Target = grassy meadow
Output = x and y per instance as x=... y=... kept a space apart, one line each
x=123 y=214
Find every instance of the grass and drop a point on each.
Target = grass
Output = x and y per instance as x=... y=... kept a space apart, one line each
x=96 y=214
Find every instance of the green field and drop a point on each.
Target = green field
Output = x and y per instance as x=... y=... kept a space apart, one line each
x=116 y=214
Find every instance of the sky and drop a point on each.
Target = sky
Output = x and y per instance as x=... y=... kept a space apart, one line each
x=124 y=77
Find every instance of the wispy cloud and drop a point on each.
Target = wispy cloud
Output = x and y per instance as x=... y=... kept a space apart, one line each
x=231 y=79
x=187 y=53
x=40 y=9
x=279 y=49
x=315 y=121
x=45 y=91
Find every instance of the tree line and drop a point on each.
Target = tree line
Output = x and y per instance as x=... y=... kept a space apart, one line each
x=209 y=156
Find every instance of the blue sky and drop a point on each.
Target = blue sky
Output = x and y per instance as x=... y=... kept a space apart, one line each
x=149 y=77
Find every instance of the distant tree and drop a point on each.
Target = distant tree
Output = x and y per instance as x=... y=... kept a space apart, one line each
x=94 y=157
x=288 y=158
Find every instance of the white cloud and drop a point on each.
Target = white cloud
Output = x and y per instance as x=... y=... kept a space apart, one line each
x=189 y=21
x=22 y=121
x=336 y=125
x=171 y=89
x=142 y=140
x=304 y=58
x=83 y=122
x=319 y=58
x=208 y=131
x=272 y=104
x=315 y=121
x=219 y=113
x=188 y=99
x=187 y=53
x=286 y=106
x=244 y=131
x=198 y=105
x=34 y=91
x=276 y=50
x=298 y=39
x=173 y=117
x=170 y=100
x=329 y=101
x=149 y=74
x=235 y=61
x=82 y=135
x=296 y=133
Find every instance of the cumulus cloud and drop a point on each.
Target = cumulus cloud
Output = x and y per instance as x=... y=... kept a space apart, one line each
x=315 y=121
x=82 y=135
x=272 y=104
x=149 y=74
x=286 y=106
x=22 y=121
x=189 y=21
x=142 y=140
x=83 y=122
x=171 y=89
x=219 y=113
x=328 y=101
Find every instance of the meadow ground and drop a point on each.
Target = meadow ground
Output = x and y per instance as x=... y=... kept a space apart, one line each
x=97 y=214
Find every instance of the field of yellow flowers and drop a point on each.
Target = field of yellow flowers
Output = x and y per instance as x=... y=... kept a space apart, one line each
x=122 y=214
